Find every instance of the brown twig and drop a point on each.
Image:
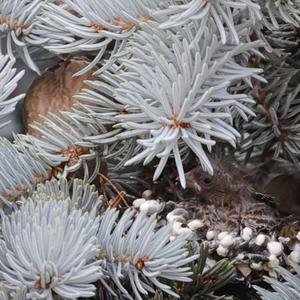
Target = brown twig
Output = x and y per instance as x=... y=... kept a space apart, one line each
x=120 y=194
x=14 y=25
x=120 y=23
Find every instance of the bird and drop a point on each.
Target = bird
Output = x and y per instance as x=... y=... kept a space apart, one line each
x=226 y=187
x=271 y=187
x=227 y=199
x=286 y=188
x=280 y=180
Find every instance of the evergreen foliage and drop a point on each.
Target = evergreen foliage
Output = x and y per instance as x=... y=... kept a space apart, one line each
x=173 y=80
x=9 y=80
x=288 y=289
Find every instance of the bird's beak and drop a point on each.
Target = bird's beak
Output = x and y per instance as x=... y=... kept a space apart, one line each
x=192 y=182
x=197 y=187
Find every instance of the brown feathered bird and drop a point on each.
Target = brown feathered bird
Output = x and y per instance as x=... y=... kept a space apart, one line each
x=276 y=186
x=227 y=187
x=281 y=181
x=286 y=188
x=227 y=199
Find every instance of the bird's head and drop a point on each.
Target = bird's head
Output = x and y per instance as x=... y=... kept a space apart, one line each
x=226 y=184
x=200 y=181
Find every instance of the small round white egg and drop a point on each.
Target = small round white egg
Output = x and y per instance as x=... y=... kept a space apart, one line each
x=227 y=241
x=247 y=234
x=195 y=224
x=210 y=235
x=222 y=251
x=222 y=234
x=275 y=248
x=150 y=207
x=260 y=239
x=138 y=202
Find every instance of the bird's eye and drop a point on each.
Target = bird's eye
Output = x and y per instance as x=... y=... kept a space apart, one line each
x=207 y=181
